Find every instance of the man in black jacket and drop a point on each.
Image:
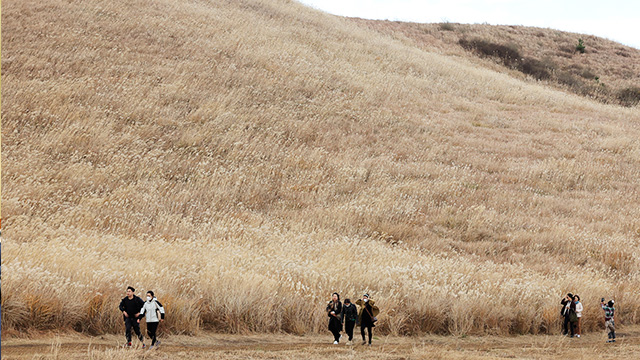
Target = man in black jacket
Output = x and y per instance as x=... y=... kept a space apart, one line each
x=130 y=307
x=350 y=316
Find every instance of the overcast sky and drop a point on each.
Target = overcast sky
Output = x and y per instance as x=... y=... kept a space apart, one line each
x=617 y=20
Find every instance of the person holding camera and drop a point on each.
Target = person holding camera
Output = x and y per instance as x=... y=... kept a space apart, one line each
x=350 y=316
x=609 y=312
x=566 y=314
x=367 y=316
x=334 y=311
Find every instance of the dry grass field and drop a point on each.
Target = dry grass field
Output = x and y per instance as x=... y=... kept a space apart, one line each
x=244 y=159
x=289 y=347
x=606 y=71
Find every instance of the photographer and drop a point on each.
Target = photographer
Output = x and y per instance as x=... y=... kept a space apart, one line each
x=609 y=312
x=334 y=311
x=565 y=311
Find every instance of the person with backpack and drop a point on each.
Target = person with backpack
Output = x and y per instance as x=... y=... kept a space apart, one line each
x=154 y=312
x=609 y=312
x=350 y=316
x=565 y=312
x=334 y=312
x=130 y=307
x=579 y=309
x=367 y=316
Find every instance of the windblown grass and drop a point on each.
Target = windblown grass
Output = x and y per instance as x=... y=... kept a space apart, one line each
x=244 y=159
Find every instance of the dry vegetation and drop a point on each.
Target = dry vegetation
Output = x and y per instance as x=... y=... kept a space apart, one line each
x=607 y=71
x=289 y=347
x=244 y=159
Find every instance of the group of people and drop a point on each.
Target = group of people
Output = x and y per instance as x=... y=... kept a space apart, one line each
x=134 y=309
x=572 y=309
x=349 y=315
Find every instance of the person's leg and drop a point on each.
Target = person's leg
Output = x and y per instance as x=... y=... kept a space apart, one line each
x=336 y=334
x=579 y=332
x=136 y=328
x=565 y=326
x=362 y=332
x=572 y=328
x=152 y=327
x=370 y=333
x=613 y=331
x=127 y=326
x=349 y=329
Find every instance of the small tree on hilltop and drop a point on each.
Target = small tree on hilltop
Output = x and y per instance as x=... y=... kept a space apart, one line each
x=580 y=47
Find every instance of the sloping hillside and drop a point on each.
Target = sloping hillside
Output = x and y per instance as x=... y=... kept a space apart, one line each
x=245 y=159
x=604 y=70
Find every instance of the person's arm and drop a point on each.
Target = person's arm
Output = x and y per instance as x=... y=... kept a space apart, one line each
x=140 y=304
x=161 y=310
x=123 y=308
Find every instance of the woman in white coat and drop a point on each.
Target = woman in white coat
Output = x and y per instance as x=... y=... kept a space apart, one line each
x=154 y=312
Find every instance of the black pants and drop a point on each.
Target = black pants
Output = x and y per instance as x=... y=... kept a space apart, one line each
x=567 y=326
x=348 y=327
x=132 y=323
x=152 y=327
x=336 y=334
x=362 y=331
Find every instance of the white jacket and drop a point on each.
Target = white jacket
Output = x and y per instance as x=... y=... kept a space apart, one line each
x=151 y=309
x=579 y=309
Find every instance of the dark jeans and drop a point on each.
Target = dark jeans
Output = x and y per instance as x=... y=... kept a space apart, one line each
x=152 y=327
x=348 y=327
x=132 y=323
x=362 y=331
x=567 y=326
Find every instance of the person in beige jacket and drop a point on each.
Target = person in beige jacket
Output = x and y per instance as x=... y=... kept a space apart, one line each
x=367 y=316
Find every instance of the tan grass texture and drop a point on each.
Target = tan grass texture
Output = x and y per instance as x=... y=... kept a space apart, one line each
x=245 y=159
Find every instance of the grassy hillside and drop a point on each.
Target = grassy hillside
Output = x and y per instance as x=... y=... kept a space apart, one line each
x=604 y=70
x=245 y=159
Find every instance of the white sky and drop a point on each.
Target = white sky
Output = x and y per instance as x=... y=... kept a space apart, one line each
x=617 y=20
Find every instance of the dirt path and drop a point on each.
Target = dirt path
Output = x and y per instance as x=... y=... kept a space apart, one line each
x=216 y=346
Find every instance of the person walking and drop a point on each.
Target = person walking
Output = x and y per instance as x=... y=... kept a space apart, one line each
x=609 y=313
x=334 y=311
x=367 y=316
x=154 y=312
x=130 y=307
x=579 y=309
x=350 y=316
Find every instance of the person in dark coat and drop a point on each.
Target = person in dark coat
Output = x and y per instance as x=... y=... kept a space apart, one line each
x=349 y=318
x=334 y=311
x=130 y=307
x=367 y=316
x=565 y=311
